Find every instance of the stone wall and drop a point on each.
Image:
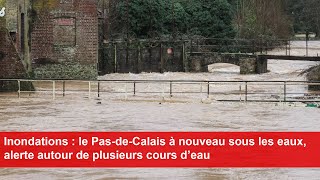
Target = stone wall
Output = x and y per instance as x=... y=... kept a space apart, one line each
x=200 y=62
x=248 y=65
x=314 y=75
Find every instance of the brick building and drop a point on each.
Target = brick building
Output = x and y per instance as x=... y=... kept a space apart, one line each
x=65 y=30
x=11 y=64
x=50 y=33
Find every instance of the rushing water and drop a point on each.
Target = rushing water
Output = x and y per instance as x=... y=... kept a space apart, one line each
x=78 y=113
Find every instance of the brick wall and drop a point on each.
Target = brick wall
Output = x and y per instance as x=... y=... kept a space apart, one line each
x=66 y=32
x=63 y=31
x=87 y=32
x=42 y=36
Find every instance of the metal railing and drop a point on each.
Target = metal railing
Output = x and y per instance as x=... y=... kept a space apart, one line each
x=245 y=91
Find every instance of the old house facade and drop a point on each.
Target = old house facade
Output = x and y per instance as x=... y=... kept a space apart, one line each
x=48 y=33
x=65 y=30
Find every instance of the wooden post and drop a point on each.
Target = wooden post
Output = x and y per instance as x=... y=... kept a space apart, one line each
x=285 y=92
x=171 y=89
x=134 y=88
x=163 y=91
x=286 y=49
x=161 y=59
x=126 y=92
x=89 y=88
x=115 y=58
x=127 y=55
x=240 y=89
x=19 y=89
x=53 y=90
x=63 y=88
x=138 y=59
x=185 y=58
x=307 y=38
x=289 y=47
x=261 y=46
x=208 y=89
x=191 y=47
x=246 y=92
x=267 y=46
x=98 y=89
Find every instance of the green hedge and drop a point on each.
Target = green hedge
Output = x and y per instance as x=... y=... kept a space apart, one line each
x=66 y=71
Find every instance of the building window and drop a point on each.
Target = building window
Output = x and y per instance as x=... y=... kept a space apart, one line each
x=13 y=36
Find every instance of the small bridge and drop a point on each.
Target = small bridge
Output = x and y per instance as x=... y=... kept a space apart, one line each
x=249 y=64
x=187 y=56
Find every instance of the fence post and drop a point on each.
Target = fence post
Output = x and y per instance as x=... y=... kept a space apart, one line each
x=63 y=88
x=285 y=92
x=163 y=91
x=53 y=90
x=171 y=89
x=286 y=49
x=183 y=57
x=261 y=46
x=246 y=92
x=98 y=89
x=134 y=88
x=289 y=47
x=19 y=89
x=307 y=48
x=115 y=58
x=267 y=46
x=127 y=54
x=208 y=89
x=191 y=47
x=89 y=84
x=161 y=58
x=138 y=59
x=240 y=89
x=126 y=90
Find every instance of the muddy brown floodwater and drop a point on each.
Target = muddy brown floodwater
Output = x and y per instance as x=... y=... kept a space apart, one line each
x=76 y=112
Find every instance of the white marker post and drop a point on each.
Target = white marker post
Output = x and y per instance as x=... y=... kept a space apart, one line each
x=2 y=12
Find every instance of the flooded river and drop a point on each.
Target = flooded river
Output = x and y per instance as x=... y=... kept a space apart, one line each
x=79 y=113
